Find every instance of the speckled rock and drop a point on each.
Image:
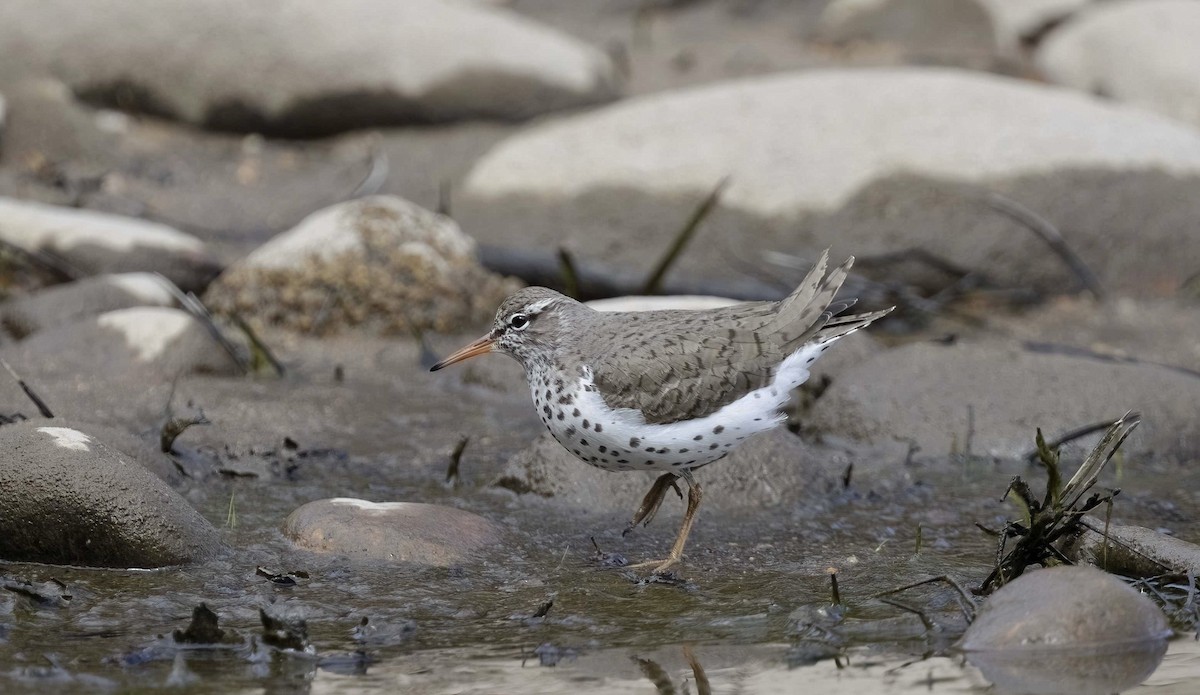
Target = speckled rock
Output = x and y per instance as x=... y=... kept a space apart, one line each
x=73 y=301
x=425 y=534
x=94 y=242
x=379 y=264
x=142 y=342
x=305 y=67
x=68 y=498
x=925 y=394
x=1143 y=53
x=616 y=182
x=1066 y=630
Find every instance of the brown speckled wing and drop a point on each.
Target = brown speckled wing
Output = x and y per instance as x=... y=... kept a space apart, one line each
x=677 y=365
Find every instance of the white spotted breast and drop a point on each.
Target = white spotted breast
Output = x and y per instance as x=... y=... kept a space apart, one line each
x=619 y=439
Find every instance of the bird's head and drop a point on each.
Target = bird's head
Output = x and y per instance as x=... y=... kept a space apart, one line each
x=530 y=326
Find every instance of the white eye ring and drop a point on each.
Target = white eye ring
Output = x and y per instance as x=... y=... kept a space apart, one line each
x=518 y=321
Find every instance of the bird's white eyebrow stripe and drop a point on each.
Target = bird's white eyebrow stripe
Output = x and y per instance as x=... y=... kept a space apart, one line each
x=538 y=306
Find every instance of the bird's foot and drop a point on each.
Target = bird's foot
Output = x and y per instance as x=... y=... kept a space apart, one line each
x=656 y=566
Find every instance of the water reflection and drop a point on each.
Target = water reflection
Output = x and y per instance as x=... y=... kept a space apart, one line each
x=1045 y=670
x=731 y=669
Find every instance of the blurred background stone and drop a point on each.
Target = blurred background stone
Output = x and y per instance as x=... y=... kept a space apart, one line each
x=305 y=68
x=379 y=264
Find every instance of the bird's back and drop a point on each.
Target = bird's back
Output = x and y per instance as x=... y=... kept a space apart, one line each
x=676 y=365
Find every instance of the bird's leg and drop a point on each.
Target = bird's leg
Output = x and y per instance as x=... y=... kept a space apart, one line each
x=652 y=501
x=689 y=517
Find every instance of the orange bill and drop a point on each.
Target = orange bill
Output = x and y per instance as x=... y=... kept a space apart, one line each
x=475 y=349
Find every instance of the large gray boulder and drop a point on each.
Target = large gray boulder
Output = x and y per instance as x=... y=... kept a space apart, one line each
x=92 y=242
x=424 y=534
x=140 y=343
x=989 y=399
x=379 y=264
x=304 y=67
x=68 y=498
x=866 y=161
x=1144 y=53
x=73 y=301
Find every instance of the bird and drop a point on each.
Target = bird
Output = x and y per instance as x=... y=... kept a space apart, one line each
x=667 y=391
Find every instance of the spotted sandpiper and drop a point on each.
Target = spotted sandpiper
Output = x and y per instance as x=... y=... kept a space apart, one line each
x=666 y=391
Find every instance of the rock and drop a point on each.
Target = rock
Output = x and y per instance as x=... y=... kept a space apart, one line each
x=49 y=130
x=1141 y=53
x=425 y=534
x=767 y=470
x=931 y=26
x=73 y=301
x=142 y=343
x=94 y=242
x=924 y=393
x=1066 y=630
x=305 y=67
x=616 y=183
x=1132 y=551
x=947 y=27
x=1022 y=23
x=1164 y=332
x=380 y=264
x=68 y=498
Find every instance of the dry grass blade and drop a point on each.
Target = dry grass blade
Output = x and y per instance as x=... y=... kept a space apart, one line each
x=654 y=282
x=1089 y=471
x=1048 y=233
x=37 y=401
x=192 y=304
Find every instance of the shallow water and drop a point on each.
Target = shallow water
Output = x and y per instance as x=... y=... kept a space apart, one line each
x=754 y=609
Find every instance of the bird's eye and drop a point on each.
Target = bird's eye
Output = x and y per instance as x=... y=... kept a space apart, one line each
x=518 y=321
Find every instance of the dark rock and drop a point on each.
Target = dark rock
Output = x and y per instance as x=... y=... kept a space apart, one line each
x=203 y=629
x=67 y=498
x=425 y=534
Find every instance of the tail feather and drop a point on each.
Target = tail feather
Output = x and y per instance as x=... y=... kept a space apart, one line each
x=806 y=310
x=845 y=325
